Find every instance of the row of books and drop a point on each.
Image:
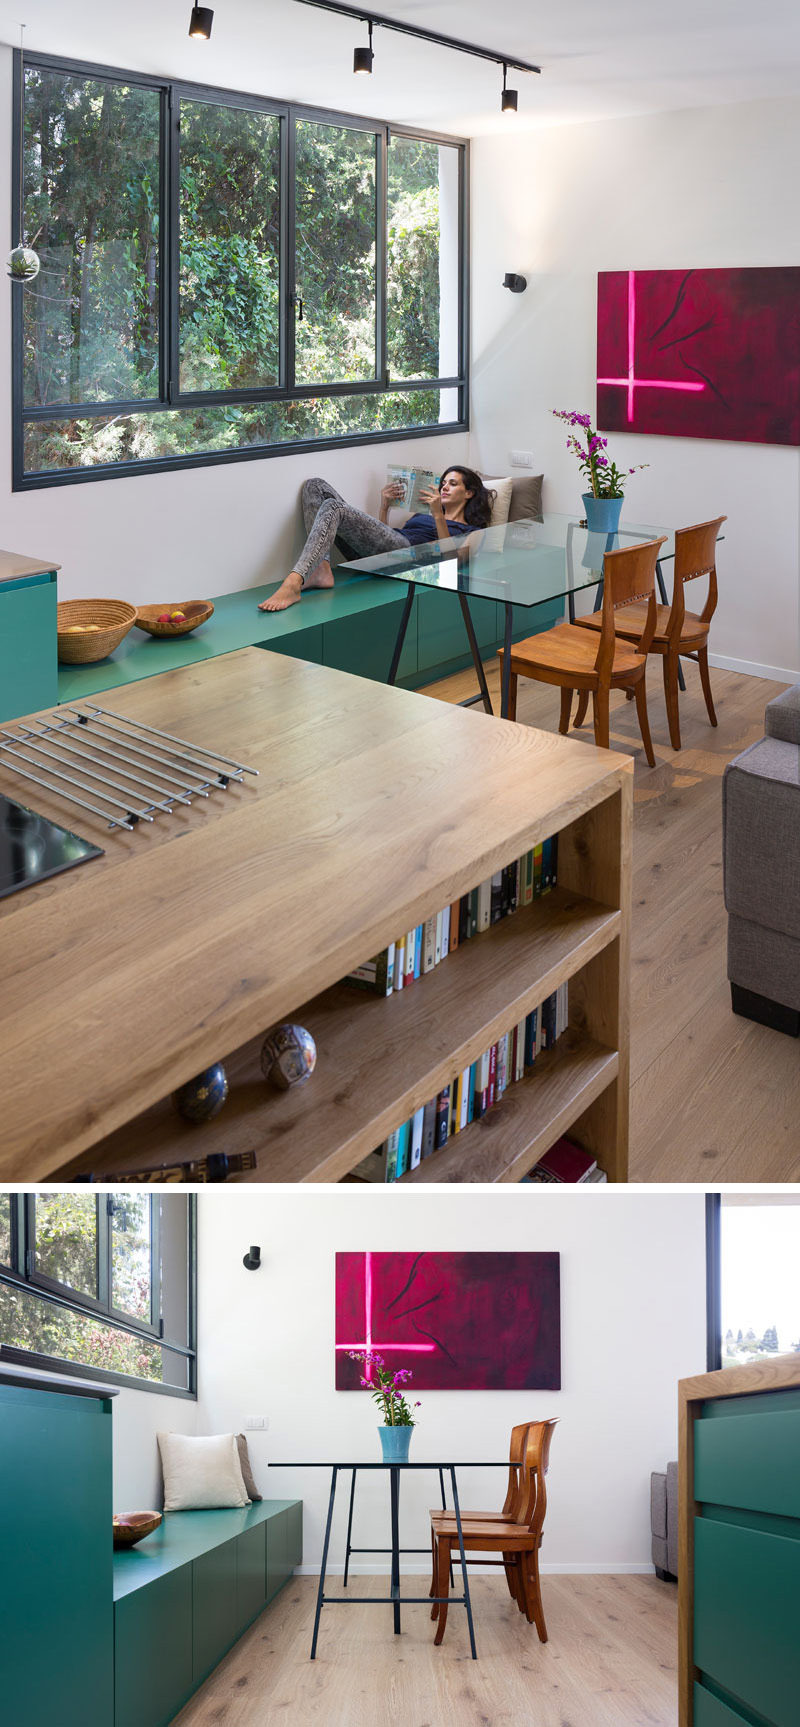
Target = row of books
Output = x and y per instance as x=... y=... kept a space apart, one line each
x=471 y=1093
x=423 y=948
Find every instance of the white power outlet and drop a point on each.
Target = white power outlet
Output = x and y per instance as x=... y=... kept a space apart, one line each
x=253 y=1422
x=522 y=458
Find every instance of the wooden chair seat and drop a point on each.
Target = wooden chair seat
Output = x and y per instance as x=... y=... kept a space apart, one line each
x=565 y=649
x=629 y=623
x=490 y=1529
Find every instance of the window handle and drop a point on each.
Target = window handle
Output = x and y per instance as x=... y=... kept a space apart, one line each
x=298 y=300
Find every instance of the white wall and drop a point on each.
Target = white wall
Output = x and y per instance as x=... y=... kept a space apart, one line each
x=701 y=188
x=196 y=532
x=138 y=1417
x=633 y=1323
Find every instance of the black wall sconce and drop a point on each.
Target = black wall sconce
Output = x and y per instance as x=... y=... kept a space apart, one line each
x=252 y=1259
x=517 y=284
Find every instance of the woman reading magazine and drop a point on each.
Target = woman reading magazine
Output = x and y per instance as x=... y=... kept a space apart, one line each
x=455 y=507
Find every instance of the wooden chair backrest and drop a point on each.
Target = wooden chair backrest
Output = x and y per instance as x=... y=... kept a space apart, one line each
x=516 y=1459
x=629 y=574
x=695 y=555
x=532 y=1502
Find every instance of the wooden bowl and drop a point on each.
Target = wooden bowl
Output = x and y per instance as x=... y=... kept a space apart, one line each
x=132 y=1526
x=78 y=644
x=197 y=611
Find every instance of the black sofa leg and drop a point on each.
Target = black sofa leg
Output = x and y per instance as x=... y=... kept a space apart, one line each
x=665 y=1576
x=765 y=1011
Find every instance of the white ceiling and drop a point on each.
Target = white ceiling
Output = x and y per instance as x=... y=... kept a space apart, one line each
x=598 y=61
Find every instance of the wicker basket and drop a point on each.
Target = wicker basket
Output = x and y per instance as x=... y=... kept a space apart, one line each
x=195 y=612
x=132 y=1526
x=81 y=646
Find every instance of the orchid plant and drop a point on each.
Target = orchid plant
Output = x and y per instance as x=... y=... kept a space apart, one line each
x=386 y=1388
x=604 y=478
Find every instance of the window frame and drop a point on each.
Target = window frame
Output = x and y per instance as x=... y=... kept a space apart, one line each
x=22 y=1277
x=170 y=398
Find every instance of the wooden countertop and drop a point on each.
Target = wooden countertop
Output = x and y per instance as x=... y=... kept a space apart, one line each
x=13 y=566
x=123 y=978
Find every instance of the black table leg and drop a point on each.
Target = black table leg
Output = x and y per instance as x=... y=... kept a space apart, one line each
x=598 y=598
x=349 y=1528
x=467 y=1601
x=665 y=602
x=475 y=651
x=444 y=1508
x=326 y=1544
x=401 y=634
x=507 y=633
x=394 y=1474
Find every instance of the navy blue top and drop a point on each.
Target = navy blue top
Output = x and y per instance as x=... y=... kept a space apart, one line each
x=420 y=528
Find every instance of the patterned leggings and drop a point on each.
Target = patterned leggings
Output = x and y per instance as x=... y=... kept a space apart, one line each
x=329 y=519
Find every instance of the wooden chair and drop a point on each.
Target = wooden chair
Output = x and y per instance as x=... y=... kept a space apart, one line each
x=567 y=656
x=677 y=631
x=517 y=1536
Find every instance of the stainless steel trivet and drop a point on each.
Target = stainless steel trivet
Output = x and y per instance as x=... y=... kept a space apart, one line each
x=95 y=748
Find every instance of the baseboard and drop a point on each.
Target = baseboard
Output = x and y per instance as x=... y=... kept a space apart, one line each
x=751 y=669
x=592 y=1568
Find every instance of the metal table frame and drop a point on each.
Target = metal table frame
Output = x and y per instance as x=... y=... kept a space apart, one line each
x=394 y=1599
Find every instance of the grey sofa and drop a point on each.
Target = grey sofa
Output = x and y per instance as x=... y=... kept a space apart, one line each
x=664 y=1522
x=761 y=858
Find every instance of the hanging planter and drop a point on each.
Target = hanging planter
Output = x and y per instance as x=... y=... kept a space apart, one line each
x=22 y=264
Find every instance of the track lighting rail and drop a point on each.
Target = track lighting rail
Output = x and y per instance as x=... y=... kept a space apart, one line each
x=403 y=29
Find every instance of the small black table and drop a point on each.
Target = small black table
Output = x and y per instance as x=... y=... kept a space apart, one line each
x=394 y=1599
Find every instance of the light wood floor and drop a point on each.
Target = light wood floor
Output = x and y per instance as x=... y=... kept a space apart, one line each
x=611 y=1661
x=714 y=1098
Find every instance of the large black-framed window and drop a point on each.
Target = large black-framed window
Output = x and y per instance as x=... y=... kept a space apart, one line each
x=101 y=1285
x=753 y=1291
x=227 y=277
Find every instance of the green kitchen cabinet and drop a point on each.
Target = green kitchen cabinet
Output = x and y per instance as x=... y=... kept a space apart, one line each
x=28 y=636
x=278 y=1568
x=251 y=1575
x=56 y=1604
x=363 y=643
x=153 y=1666
x=214 y=1615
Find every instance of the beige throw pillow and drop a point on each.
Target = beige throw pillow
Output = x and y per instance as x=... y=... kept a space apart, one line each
x=201 y=1474
x=502 y=501
x=247 y=1473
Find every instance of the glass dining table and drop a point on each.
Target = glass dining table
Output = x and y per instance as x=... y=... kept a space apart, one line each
x=521 y=564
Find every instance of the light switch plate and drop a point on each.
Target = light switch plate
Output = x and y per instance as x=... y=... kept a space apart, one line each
x=252 y=1422
x=522 y=458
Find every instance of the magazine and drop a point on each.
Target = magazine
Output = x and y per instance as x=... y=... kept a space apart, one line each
x=414 y=481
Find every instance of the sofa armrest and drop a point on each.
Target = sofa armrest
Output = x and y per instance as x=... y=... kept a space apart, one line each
x=782 y=717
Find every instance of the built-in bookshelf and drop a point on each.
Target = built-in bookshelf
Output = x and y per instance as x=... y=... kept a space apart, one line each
x=375 y=809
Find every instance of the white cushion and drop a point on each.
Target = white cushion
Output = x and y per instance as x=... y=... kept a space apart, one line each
x=201 y=1474
x=502 y=503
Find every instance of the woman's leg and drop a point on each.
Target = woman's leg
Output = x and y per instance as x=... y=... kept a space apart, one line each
x=327 y=517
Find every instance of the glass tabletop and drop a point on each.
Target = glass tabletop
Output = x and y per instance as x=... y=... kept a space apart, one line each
x=524 y=563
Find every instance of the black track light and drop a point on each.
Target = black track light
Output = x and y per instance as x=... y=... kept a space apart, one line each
x=508 y=100
x=200 y=23
x=363 y=57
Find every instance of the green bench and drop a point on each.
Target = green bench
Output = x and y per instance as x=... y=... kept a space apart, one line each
x=351 y=627
x=187 y=1593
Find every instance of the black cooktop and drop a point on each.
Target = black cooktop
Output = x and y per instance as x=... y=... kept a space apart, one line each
x=32 y=848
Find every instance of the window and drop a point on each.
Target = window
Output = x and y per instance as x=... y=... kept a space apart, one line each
x=101 y=1284
x=225 y=277
x=754 y=1251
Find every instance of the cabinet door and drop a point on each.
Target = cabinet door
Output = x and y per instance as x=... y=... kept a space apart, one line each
x=441 y=632
x=302 y=645
x=294 y=1518
x=214 y=1607
x=746 y=1613
x=28 y=646
x=710 y=1712
x=153 y=1651
x=251 y=1575
x=364 y=642
x=750 y=1461
x=277 y=1552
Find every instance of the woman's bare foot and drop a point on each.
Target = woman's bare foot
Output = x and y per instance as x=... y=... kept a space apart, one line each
x=290 y=589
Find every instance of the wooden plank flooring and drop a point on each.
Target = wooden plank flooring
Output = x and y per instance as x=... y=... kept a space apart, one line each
x=714 y=1098
x=611 y=1661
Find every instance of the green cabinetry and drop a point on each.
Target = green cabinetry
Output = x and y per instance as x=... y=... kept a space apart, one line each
x=153 y=1675
x=56 y=1612
x=28 y=646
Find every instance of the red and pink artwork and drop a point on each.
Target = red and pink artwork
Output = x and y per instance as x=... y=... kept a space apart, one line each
x=700 y=353
x=460 y=1321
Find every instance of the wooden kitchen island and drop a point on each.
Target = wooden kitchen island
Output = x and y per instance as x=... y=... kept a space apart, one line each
x=375 y=807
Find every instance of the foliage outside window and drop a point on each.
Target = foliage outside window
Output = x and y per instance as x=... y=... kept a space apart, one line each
x=759 y=1294
x=100 y=1281
x=226 y=277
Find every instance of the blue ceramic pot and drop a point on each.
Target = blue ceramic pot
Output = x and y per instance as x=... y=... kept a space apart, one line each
x=602 y=514
x=395 y=1442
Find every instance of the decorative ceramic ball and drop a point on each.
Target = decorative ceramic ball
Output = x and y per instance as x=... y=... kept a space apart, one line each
x=23 y=264
x=201 y=1098
x=288 y=1056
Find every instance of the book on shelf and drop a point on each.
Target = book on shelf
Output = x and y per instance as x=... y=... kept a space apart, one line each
x=414 y=482
x=564 y=1162
x=376 y=975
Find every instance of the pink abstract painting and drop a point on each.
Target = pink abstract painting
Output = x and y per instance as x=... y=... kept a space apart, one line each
x=460 y=1321
x=700 y=353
